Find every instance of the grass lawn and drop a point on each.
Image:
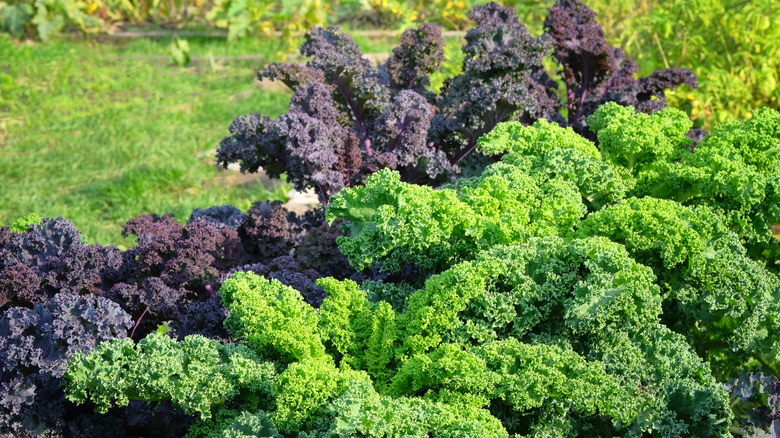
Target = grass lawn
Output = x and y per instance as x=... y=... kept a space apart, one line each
x=103 y=132
x=100 y=133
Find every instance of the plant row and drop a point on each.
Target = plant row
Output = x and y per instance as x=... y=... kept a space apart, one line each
x=348 y=117
x=483 y=267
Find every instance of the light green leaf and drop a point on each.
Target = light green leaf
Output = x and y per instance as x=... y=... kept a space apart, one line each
x=238 y=26
x=236 y=8
x=179 y=52
x=13 y=18
x=45 y=26
x=48 y=27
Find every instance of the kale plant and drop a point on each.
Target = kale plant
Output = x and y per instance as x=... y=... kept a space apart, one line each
x=168 y=279
x=49 y=257
x=595 y=73
x=761 y=395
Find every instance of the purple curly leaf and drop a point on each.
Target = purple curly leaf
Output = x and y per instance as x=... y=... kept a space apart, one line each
x=419 y=54
x=595 y=72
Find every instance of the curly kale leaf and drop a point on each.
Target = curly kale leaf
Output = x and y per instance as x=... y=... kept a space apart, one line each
x=195 y=374
x=358 y=333
x=715 y=293
x=503 y=79
x=734 y=171
x=639 y=141
x=271 y=317
x=292 y=75
x=249 y=425
x=270 y=231
x=171 y=265
x=419 y=54
x=526 y=375
x=23 y=223
x=402 y=130
x=249 y=133
x=49 y=258
x=304 y=389
x=361 y=411
x=547 y=151
x=393 y=223
x=221 y=216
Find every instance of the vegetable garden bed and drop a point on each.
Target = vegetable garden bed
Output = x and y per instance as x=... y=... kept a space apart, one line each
x=494 y=258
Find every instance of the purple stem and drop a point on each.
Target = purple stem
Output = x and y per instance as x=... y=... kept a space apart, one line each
x=138 y=321
x=499 y=117
x=397 y=141
x=465 y=151
x=358 y=117
x=585 y=84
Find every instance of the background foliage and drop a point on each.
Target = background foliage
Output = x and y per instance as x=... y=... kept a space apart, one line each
x=731 y=45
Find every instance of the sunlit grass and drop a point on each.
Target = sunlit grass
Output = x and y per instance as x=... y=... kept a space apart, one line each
x=103 y=132
x=100 y=133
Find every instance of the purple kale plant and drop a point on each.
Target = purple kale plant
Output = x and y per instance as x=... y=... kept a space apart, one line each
x=419 y=54
x=295 y=249
x=220 y=216
x=5 y=235
x=595 y=72
x=37 y=344
x=171 y=272
x=348 y=118
x=172 y=263
x=760 y=395
x=503 y=79
x=50 y=258
x=270 y=231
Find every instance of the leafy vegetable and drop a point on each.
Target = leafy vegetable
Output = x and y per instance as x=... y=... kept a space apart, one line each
x=194 y=374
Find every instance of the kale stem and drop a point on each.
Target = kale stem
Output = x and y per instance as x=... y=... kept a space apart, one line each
x=323 y=193
x=766 y=365
x=358 y=115
x=585 y=85
x=138 y=321
x=465 y=151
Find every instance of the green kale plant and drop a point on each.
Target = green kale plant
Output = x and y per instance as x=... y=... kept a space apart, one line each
x=194 y=374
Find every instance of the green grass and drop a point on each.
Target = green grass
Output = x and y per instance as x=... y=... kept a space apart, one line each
x=100 y=133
